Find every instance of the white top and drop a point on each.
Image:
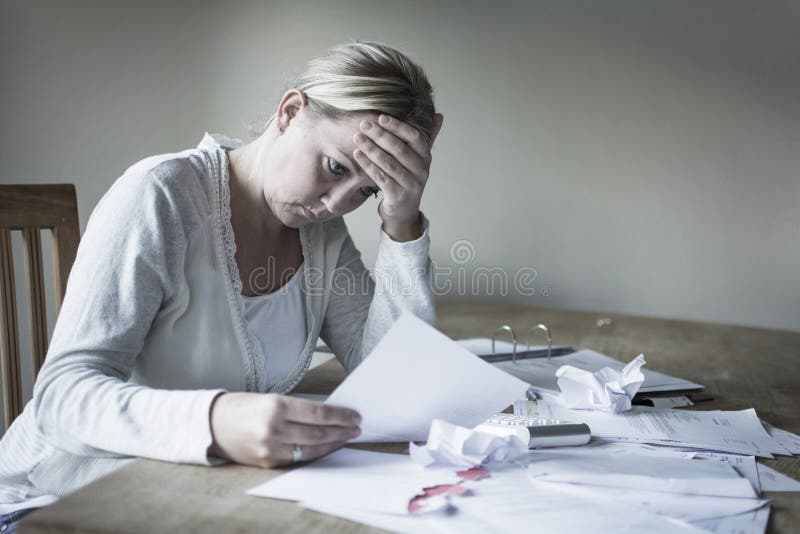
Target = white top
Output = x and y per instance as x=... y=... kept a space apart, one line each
x=152 y=325
x=278 y=320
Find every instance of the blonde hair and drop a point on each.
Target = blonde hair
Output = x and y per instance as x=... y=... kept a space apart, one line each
x=367 y=76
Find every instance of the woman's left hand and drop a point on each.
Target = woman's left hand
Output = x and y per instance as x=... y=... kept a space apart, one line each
x=394 y=154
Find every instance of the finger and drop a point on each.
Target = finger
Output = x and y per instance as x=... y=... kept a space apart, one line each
x=278 y=454
x=395 y=146
x=301 y=434
x=407 y=133
x=385 y=162
x=316 y=413
x=388 y=184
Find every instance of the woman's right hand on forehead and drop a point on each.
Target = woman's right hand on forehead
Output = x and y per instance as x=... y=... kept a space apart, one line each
x=263 y=429
x=398 y=159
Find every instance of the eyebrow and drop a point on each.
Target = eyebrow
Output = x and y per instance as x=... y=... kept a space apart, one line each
x=358 y=169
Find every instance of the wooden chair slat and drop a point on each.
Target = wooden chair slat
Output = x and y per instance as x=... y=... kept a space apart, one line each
x=9 y=342
x=37 y=306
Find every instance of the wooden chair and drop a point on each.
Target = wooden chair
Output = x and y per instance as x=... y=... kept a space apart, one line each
x=29 y=209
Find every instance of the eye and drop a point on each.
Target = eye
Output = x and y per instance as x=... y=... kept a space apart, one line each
x=336 y=168
x=369 y=191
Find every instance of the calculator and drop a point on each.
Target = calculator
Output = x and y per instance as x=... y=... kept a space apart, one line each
x=538 y=432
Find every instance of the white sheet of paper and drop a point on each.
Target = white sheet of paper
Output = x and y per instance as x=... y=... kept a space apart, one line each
x=594 y=467
x=790 y=441
x=680 y=445
x=416 y=374
x=772 y=480
x=365 y=480
x=749 y=523
x=738 y=432
x=509 y=502
x=744 y=465
x=684 y=507
x=541 y=373
x=614 y=447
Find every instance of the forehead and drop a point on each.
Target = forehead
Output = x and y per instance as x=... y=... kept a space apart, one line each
x=338 y=134
x=340 y=131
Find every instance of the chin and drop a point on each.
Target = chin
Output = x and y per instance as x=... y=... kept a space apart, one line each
x=293 y=220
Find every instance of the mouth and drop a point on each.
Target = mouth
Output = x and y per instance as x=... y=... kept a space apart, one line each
x=310 y=214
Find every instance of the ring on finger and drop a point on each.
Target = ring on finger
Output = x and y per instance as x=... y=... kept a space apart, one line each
x=297 y=454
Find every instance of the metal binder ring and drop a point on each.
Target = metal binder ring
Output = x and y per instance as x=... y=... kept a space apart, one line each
x=549 y=338
x=506 y=328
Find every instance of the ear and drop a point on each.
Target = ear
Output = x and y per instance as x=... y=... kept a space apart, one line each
x=438 y=119
x=292 y=102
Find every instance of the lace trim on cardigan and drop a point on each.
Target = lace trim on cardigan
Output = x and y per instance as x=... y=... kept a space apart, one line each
x=228 y=238
x=254 y=354
x=256 y=370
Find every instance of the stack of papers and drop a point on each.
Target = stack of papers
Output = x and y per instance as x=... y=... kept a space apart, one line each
x=646 y=469
x=676 y=485
x=615 y=487
x=739 y=432
x=640 y=470
x=375 y=488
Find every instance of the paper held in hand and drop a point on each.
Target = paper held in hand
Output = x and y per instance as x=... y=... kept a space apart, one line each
x=416 y=374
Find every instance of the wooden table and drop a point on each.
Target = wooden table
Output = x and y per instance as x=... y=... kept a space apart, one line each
x=740 y=367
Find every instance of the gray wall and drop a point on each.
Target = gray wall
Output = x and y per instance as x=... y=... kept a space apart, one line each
x=641 y=157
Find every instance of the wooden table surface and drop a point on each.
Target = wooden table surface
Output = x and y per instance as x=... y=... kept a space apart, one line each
x=741 y=367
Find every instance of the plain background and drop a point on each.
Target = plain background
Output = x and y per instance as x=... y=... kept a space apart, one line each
x=640 y=157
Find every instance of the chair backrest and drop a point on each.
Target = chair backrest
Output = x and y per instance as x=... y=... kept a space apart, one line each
x=30 y=209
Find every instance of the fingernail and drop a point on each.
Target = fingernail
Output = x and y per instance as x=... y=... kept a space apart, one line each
x=366 y=125
x=360 y=138
x=383 y=119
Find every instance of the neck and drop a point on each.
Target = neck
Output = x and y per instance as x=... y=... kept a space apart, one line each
x=248 y=203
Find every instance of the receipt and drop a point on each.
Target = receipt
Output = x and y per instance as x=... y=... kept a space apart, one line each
x=606 y=389
x=450 y=444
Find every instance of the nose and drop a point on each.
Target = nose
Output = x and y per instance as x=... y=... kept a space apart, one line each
x=338 y=200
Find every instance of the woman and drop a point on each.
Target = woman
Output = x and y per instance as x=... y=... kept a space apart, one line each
x=206 y=276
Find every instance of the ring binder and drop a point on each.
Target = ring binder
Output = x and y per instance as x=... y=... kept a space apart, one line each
x=540 y=326
x=540 y=373
x=528 y=353
x=506 y=328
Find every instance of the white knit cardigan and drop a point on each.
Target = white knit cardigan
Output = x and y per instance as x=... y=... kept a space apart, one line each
x=152 y=327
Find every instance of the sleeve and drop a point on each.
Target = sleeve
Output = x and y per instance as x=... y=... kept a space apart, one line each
x=124 y=271
x=361 y=309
